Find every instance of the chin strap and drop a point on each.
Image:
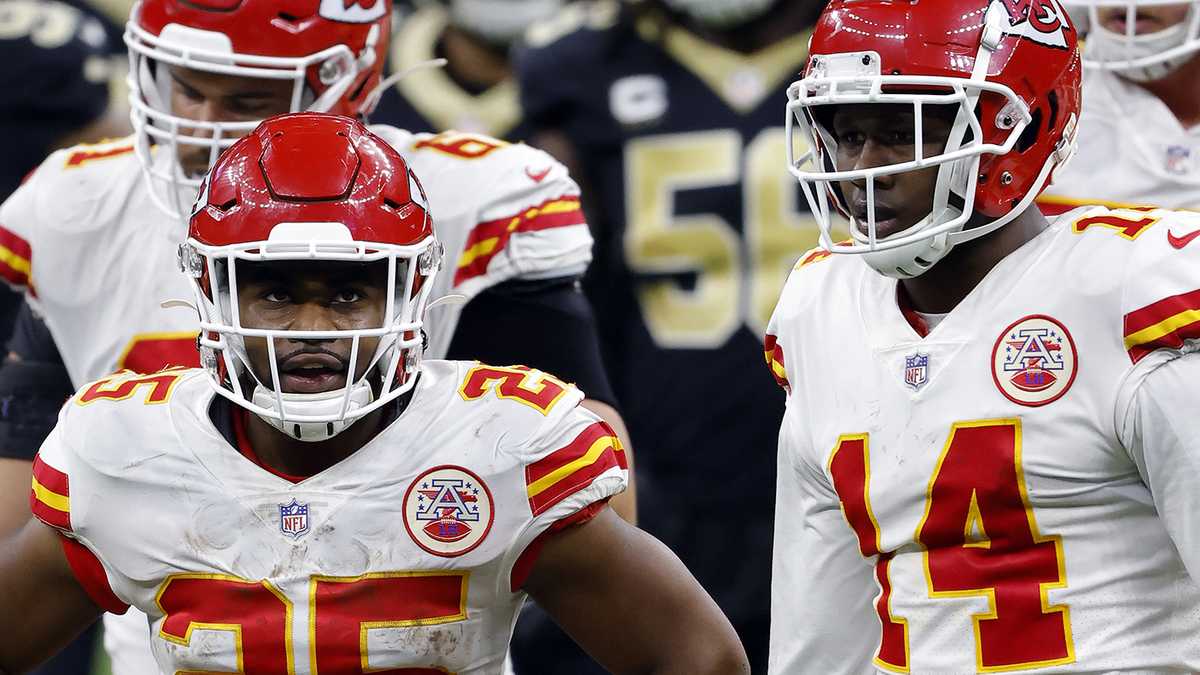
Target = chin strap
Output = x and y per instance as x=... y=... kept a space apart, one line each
x=305 y=405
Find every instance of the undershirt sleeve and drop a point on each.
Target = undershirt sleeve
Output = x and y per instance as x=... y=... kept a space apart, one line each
x=32 y=389
x=546 y=324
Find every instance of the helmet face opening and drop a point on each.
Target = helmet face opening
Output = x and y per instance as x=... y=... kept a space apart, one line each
x=837 y=82
x=330 y=59
x=346 y=312
x=311 y=240
x=984 y=95
x=1142 y=40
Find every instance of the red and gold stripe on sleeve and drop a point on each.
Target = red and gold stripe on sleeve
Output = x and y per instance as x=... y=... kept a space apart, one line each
x=1162 y=325
x=15 y=255
x=815 y=255
x=774 y=355
x=50 y=499
x=566 y=471
x=488 y=239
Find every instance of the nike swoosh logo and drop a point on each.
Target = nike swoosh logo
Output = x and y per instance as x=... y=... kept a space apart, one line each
x=1180 y=242
x=537 y=176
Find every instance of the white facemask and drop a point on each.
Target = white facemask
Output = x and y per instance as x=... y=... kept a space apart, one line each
x=1145 y=57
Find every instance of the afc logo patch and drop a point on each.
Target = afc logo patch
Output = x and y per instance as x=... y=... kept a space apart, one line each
x=448 y=511
x=1034 y=361
x=293 y=519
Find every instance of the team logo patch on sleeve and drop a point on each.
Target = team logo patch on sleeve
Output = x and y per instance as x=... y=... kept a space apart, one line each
x=448 y=511
x=1034 y=361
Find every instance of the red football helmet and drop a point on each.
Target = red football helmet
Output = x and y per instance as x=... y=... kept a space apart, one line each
x=333 y=51
x=310 y=186
x=1010 y=67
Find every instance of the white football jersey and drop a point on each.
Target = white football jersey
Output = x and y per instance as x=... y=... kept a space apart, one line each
x=409 y=554
x=1132 y=151
x=972 y=500
x=97 y=259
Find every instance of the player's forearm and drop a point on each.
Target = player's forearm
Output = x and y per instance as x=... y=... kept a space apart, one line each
x=625 y=504
x=15 y=479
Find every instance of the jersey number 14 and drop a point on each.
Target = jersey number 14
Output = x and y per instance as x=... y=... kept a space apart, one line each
x=978 y=538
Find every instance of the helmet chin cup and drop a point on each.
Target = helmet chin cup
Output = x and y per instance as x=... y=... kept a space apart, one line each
x=1145 y=57
x=910 y=260
x=325 y=404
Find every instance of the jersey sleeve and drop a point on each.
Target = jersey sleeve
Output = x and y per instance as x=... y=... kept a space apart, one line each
x=571 y=467
x=50 y=500
x=1161 y=291
x=822 y=619
x=18 y=223
x=777 y=342
x=528 y=224
x=1161 y=432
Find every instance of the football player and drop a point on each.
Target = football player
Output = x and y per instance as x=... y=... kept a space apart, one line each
x=104 y=220
x=983 y=465
x=56 y=93
x=475 y=91
x=667 y=113
x=1139 y=135
x=318 y=496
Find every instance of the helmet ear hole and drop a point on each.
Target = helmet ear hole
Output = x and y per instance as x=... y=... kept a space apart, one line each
x=1030 y=135
x=1052 y=104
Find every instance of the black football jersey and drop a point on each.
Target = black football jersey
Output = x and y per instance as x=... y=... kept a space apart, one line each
x=697 y=224
x=429 y=99
x=56 y=81
x=682 y=154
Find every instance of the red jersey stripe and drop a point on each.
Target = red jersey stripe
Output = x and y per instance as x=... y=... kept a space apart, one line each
x=49 y=496
x=15 y=256
x=1163 y=325
x=568 y=470
x=50 y=477
x=570 y=453
x=774 y=356
x=489 y=239
x=1154 y=313
x=80 y=157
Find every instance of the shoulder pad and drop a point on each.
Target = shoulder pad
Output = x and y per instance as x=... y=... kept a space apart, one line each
x=73 y=186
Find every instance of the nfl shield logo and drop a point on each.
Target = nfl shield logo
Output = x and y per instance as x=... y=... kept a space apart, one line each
x=1178 y=160
x=916 y=370
x=293 y=519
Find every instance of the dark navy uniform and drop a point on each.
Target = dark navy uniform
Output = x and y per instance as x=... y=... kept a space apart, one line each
x=56 y=80
x=430 y=99
x=681 y=152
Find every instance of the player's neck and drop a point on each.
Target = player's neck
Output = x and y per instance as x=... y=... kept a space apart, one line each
x=286 y=455
x=949 y=281
x=782 y=22
x=1178 y=91
x=473 y=62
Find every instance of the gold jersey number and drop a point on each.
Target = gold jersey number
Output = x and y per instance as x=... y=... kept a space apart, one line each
x=738 y=278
